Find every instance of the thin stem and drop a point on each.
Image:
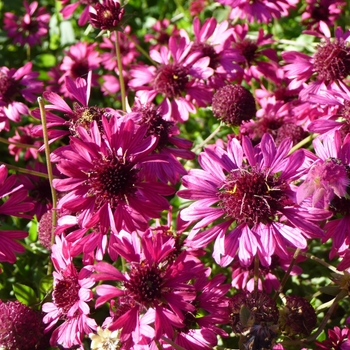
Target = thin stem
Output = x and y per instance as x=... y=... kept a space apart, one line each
x=256 y=274
x=343 y=293
x=141 y=49
x=287 y=274
x=175 y=346
x=302 y=143
x=17 y=144
x=49 y=171
x=120 y=69
x=25 y=171
x=207 y=139
x=320 y=261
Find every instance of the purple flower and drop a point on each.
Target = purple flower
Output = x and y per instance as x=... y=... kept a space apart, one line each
x=179 y=81
x=105 y=181
x=106 y=16
x=13 y=85
x=70 y=296
x=248 y=186
x=68 y=10
x=30 y=28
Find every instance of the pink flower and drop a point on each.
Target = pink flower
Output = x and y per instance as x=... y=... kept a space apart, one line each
x=155 y=282
x=14 y=84
x=329 y=65
x=338 y=339
x=105 y=180
x=15 y=204
x=178 y=81
x=30 y=28
x=248 y=186
x=68 y=10
x=71 y=295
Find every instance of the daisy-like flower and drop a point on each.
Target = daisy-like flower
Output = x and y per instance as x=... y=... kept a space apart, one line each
x=327 y=11
x=155 y=282
x=106 y=182
x=251 y=187
x=255 y=64
x=78 y=61
x=338 y=339
x=81 y=115
x=169 y=144
x=70 y=295
x=106 y=16
x=262 y=11
x=328 y=66
x=15 y=85
x=69 y=9
x=15 y=204
x=30 y=28
x=214 y=41
x=177 y=80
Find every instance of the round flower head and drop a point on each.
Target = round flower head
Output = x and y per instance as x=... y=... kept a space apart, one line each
x=30 y=28
x=106 y=16
x=233 y=104
x=20 y=326
x=105 y=179
x=251 y=187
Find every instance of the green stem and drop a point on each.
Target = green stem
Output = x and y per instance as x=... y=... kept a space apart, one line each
x=320 y=261
x=120 y=69
x=175 y=346
x=207 y=139
x=49 y=171
x=17 y=144
x=302 y=143
x=142 y=50
x=25 y=171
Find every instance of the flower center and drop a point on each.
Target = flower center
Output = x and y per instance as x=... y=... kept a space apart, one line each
x=84 y=116
x=332 y=61
x=207 y=51
x=320 y=13
x=250 y=196
x=145 y=284
x=9 y=88
x=80 y=68
x=66 y=292
x=112 y=180
x=171 y=80
x=248 y=48
x=30 y=28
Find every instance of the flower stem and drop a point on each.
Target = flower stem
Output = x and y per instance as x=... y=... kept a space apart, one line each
x=120 y=68
x=320 y=261
x=25 y=171
x=302 y=143
x=49 y=171
x=141 y=49
x=174 y=345
x=207 y=139
x=17 y=144
x=256 y=274
x=286 y=275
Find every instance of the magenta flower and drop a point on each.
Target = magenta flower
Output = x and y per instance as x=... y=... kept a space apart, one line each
x=258 y=61
x=15 y=84
x=338 y=339
x=105 y=178
x=78 y=61
x=68 y=10
x=30 y=28
x=262 y=11
x=326 y=68
x=16 y=204
x=248 y=186
x=214 y=41
x=70 y=296
x=177 y=80
x=155 y=282
x=106 y=15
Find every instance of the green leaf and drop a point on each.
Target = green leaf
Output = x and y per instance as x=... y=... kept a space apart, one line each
x=24 y=294
x=45 y=60
x=45 y=286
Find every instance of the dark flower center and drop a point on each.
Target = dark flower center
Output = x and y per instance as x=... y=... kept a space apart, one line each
x=207 y=51
x=112 y=180
x=340 y=205
x=332 y=61
x=66 y=292
x=80 y=69
x=107 y=15
x=248 y=48
x=290 y=130
x=320 y=13
x=84 y=116
x=171 y=80
x=157 y=126
x=89 y=2
x=250 y=196
x=145 y=284
x=31 y=27
x=9 y=88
